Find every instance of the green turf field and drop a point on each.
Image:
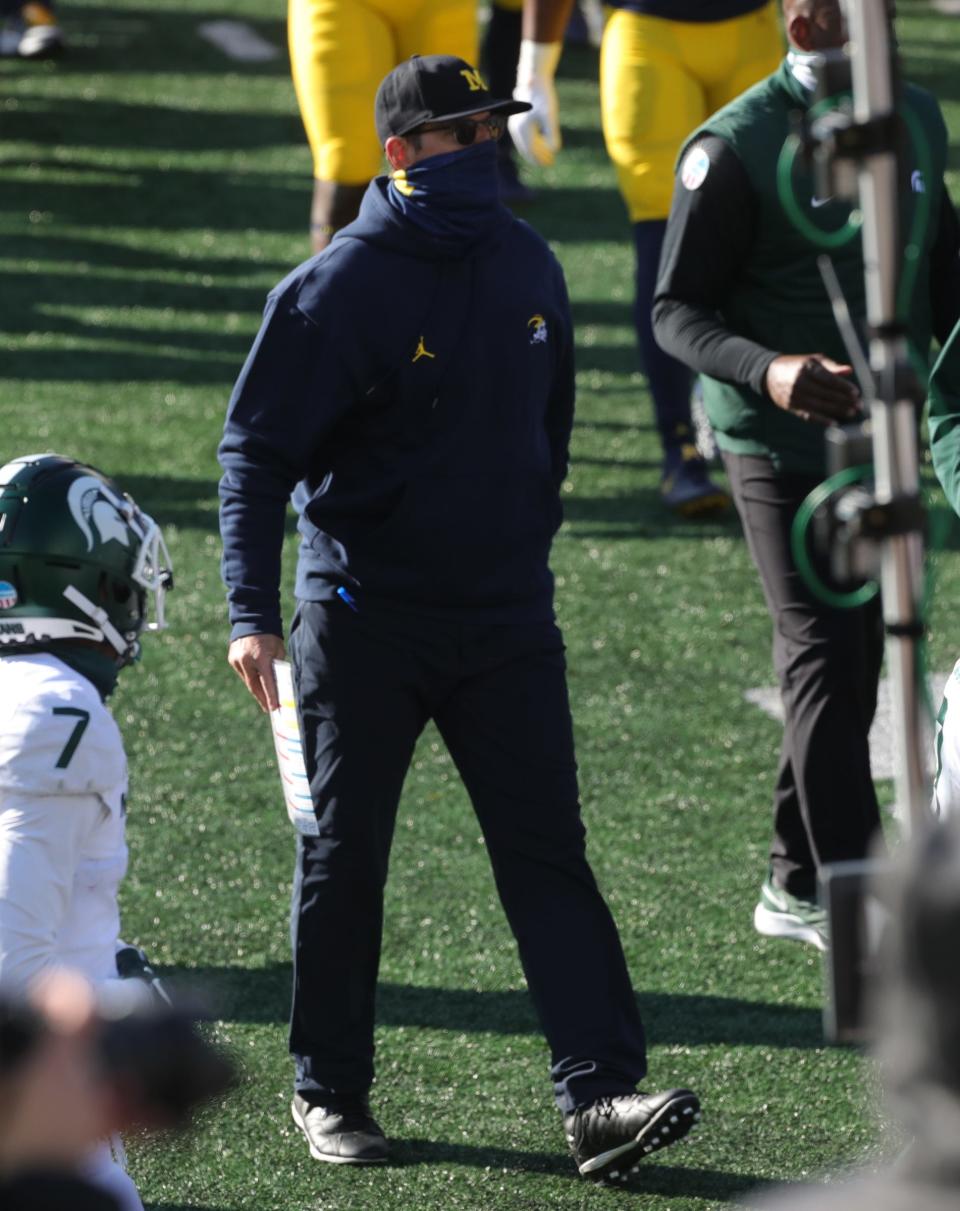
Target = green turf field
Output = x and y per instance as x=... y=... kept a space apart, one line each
x=151 y=192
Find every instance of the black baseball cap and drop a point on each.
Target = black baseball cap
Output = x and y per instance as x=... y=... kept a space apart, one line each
x=434 y=88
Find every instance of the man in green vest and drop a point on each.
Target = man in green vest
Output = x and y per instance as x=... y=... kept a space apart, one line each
x=740 y=299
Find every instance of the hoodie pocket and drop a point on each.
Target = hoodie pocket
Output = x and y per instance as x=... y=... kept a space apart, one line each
x=466 y=535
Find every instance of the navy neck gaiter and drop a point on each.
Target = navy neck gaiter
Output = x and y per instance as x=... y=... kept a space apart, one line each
x=453 y=195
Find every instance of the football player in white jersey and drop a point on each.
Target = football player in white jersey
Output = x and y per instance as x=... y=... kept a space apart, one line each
x=78 y=560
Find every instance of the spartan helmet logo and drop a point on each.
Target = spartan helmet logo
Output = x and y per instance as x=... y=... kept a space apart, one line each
x=92 y=503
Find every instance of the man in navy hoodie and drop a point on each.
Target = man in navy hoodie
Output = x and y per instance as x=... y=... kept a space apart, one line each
x=412 y=386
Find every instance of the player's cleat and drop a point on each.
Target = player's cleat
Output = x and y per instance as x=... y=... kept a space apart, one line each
x=685 y=486
x=32 y=34
x=343 y=1132
x=611 y=1136
x=780 y=915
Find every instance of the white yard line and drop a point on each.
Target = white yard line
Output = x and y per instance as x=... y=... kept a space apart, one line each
x=238 y=41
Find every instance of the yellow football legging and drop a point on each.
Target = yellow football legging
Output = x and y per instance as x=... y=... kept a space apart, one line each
x=340 y=50
x=659 y=79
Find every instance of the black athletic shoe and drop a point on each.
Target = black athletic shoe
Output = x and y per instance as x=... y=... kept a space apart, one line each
x=611 y=1136
x=343 y=1132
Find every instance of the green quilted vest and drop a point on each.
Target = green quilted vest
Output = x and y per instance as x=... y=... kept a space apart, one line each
x=778 y=299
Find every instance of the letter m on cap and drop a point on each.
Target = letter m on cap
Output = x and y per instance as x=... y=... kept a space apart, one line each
x=474 y=79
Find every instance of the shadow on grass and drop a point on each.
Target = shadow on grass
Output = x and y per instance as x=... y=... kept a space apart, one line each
x=626 y=464
x=84 y=254
x=670 y=1181
x=108 y=367
x=613 y=426
x=641 y=514
x=263 y=995
x=652 y=1178
x=190 y=504
x=572 y=215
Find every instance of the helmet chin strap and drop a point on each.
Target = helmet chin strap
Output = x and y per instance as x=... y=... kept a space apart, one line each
x=100 y=617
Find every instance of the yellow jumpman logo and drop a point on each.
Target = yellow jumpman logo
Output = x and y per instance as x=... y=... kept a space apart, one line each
x=422 y=351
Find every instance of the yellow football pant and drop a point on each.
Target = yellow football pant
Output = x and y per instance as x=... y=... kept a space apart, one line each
x=659 y=79
x=340 y=50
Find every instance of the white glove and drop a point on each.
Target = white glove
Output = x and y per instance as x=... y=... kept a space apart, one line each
x=536 y=133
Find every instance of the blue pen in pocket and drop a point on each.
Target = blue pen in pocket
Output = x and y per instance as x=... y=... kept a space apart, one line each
x=347 y=597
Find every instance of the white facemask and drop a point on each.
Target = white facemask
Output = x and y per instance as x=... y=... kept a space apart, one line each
x=801 y=64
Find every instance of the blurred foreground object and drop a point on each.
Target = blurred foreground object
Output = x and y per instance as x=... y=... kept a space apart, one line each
x=30 y=31
x=915 y=1018
x=73 y=1072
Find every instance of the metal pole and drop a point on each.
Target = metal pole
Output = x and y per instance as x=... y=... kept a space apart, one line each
x=893 y=419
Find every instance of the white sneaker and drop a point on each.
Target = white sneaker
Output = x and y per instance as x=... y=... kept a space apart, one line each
x=778 y=914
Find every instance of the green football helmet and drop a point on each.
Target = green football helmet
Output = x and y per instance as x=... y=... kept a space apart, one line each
x=78 y=558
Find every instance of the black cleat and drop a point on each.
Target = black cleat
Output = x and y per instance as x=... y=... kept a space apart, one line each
x=343 y=1132
x=611 y=1136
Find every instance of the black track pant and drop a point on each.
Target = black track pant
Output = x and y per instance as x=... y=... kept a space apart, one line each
x=366 y=685
x=828 y=663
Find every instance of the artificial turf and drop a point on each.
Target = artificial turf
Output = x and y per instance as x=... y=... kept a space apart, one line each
x=151 y=192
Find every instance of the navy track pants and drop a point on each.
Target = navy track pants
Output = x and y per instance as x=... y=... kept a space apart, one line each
x=367 y=683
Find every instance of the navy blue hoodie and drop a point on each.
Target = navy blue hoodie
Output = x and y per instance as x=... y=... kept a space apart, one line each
x=414 y=394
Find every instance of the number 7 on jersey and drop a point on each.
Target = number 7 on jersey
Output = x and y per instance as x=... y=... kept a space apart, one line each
x=83 y=718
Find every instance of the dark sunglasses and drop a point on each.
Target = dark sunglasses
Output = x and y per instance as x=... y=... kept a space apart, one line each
x=464 y=130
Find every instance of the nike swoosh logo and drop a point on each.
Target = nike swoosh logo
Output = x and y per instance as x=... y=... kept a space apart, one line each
x=816 y=203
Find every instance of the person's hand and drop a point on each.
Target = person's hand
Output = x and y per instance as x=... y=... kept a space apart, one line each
x=813 y=387
x=251 y=657
x=55 y=1105
x=536 y=133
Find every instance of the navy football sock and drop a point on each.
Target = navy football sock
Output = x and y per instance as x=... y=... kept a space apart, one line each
x=499 y=52
x=501 y=49
x=669 y=380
